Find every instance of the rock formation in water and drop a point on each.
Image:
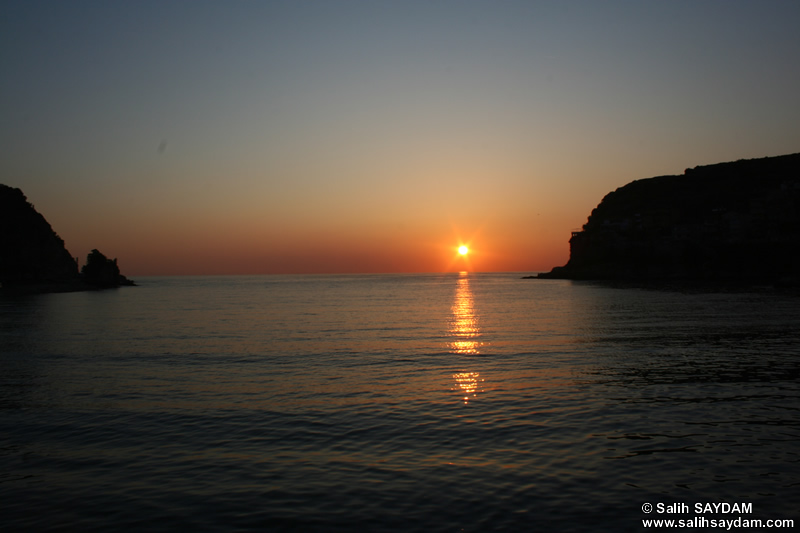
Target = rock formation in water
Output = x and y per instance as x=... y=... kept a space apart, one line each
x=736 y=221
x=99 y=271
x=33 y=256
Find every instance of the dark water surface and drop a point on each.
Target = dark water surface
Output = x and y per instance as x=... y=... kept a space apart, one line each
x=449 y=403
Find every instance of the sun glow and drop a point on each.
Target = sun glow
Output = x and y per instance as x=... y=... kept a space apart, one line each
x=463 y=250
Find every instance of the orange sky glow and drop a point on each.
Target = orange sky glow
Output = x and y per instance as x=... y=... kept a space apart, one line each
x=357 y=137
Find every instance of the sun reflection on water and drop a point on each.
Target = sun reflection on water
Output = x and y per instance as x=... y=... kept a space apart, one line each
x=468 y=384
x=464 y=329
x=464 y=333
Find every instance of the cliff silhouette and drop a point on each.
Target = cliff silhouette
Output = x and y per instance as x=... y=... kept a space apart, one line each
x=737 y=221
x=33 y=257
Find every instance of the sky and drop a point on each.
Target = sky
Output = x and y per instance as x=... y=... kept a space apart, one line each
x=338 y=136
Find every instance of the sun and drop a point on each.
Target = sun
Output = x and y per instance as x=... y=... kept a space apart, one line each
x=463 y=250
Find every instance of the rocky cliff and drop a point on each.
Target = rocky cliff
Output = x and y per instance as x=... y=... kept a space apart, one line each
x=31 y=253
x=33 y=256
x=729 y=221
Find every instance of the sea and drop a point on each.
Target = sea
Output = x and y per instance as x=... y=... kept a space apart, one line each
x=462 y=402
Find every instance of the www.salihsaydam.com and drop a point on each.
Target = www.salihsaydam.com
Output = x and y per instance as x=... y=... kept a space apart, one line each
x=727 y=523
x=702 y=508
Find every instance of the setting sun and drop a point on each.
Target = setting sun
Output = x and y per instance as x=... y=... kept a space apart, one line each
x=463 y=250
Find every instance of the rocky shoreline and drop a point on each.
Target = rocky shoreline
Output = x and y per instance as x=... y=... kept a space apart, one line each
x=737 y=221
x=33 y=258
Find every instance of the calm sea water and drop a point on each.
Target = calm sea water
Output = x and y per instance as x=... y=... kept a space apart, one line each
x=463 y=402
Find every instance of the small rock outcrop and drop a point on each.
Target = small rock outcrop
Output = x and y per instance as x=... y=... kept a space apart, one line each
x=737 y=221
x=101 y=272
x=33 y=257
